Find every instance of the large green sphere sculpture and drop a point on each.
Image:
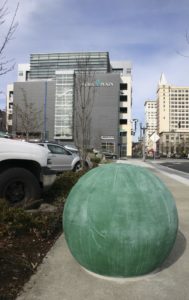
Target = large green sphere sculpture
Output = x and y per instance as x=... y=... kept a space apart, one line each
x=120 y=220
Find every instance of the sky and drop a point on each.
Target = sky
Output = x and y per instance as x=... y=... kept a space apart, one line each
x=149 y=33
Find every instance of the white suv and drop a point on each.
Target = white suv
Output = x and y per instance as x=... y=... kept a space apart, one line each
x=24 y=171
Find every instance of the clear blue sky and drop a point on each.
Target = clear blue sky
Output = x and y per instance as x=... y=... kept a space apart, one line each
x=147 y=32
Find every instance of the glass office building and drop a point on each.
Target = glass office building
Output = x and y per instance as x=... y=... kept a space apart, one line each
x=44 y=66
x=53 y=85
x=63 y=128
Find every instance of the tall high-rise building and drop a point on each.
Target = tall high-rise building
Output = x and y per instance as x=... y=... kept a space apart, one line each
x=150 y=108
x=50 y=83
x=172 y=117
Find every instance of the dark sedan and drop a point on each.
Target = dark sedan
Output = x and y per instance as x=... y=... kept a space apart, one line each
x=109 y=155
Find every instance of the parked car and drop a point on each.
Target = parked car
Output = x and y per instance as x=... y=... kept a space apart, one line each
x=61 y=158
x=24 y=171
x=109 y=155
x=176 y=155
x=171 y=155
x=73 y=149
x=184 y=155
x=4 y=134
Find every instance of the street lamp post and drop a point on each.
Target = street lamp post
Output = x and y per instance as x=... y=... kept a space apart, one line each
x=179 y=148
x=45 y=114
x=143 y=130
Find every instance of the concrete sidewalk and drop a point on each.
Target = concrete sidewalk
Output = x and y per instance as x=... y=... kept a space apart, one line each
x=60 y=277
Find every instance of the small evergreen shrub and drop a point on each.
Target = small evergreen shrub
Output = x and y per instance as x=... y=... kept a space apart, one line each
x=95 y=160
x=16 y=221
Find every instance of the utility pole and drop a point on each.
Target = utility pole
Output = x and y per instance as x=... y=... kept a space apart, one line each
x=45 y=114
x=143 y=131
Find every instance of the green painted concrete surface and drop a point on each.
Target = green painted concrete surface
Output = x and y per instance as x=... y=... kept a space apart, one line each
x=120 y=220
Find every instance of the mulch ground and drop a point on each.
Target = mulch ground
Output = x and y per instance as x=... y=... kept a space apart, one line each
x=25 y=240
x=19 y=258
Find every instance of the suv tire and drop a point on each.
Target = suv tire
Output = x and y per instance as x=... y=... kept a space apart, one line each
x=19 y=186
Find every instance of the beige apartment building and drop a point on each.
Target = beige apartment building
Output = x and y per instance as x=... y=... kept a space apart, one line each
x=172 y=118
x=150 y=108
x=125 y=108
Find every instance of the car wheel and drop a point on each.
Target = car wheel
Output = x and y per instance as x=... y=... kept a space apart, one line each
x=77 y=167
x=18 y=186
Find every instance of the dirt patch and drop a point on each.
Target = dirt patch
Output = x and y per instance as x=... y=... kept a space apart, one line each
x=26 y=237
x=19 y=258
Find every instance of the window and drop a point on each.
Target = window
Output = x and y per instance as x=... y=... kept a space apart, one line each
x=27 y=75
x=57 y=150
x=122 y=121
x=118 y=70
x=123 y=98
x=108 y=147
x=64 y=106
x=123 y=109
x=10 y=94
x=123 y=86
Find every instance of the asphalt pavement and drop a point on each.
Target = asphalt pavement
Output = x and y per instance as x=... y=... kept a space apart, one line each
x=60 y=277
x=179 y=165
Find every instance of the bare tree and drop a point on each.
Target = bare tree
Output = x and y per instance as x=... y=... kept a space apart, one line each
x=187 y=41
x=27 y=117
x=6 y=65
x=84 y=99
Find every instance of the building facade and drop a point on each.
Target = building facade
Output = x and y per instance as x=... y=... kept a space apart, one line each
x=172 y=117
x=22 y=76
x=50 y=82
x=23 y=72
x=9 y=107
x=2 y=120
x=150 y=108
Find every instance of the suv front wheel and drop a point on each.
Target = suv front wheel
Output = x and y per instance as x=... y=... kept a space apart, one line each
x=19 y=186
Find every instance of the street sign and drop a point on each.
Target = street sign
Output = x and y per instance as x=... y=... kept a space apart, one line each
x=154 y=137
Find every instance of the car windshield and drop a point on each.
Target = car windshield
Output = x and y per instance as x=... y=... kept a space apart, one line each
x=56 y=149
